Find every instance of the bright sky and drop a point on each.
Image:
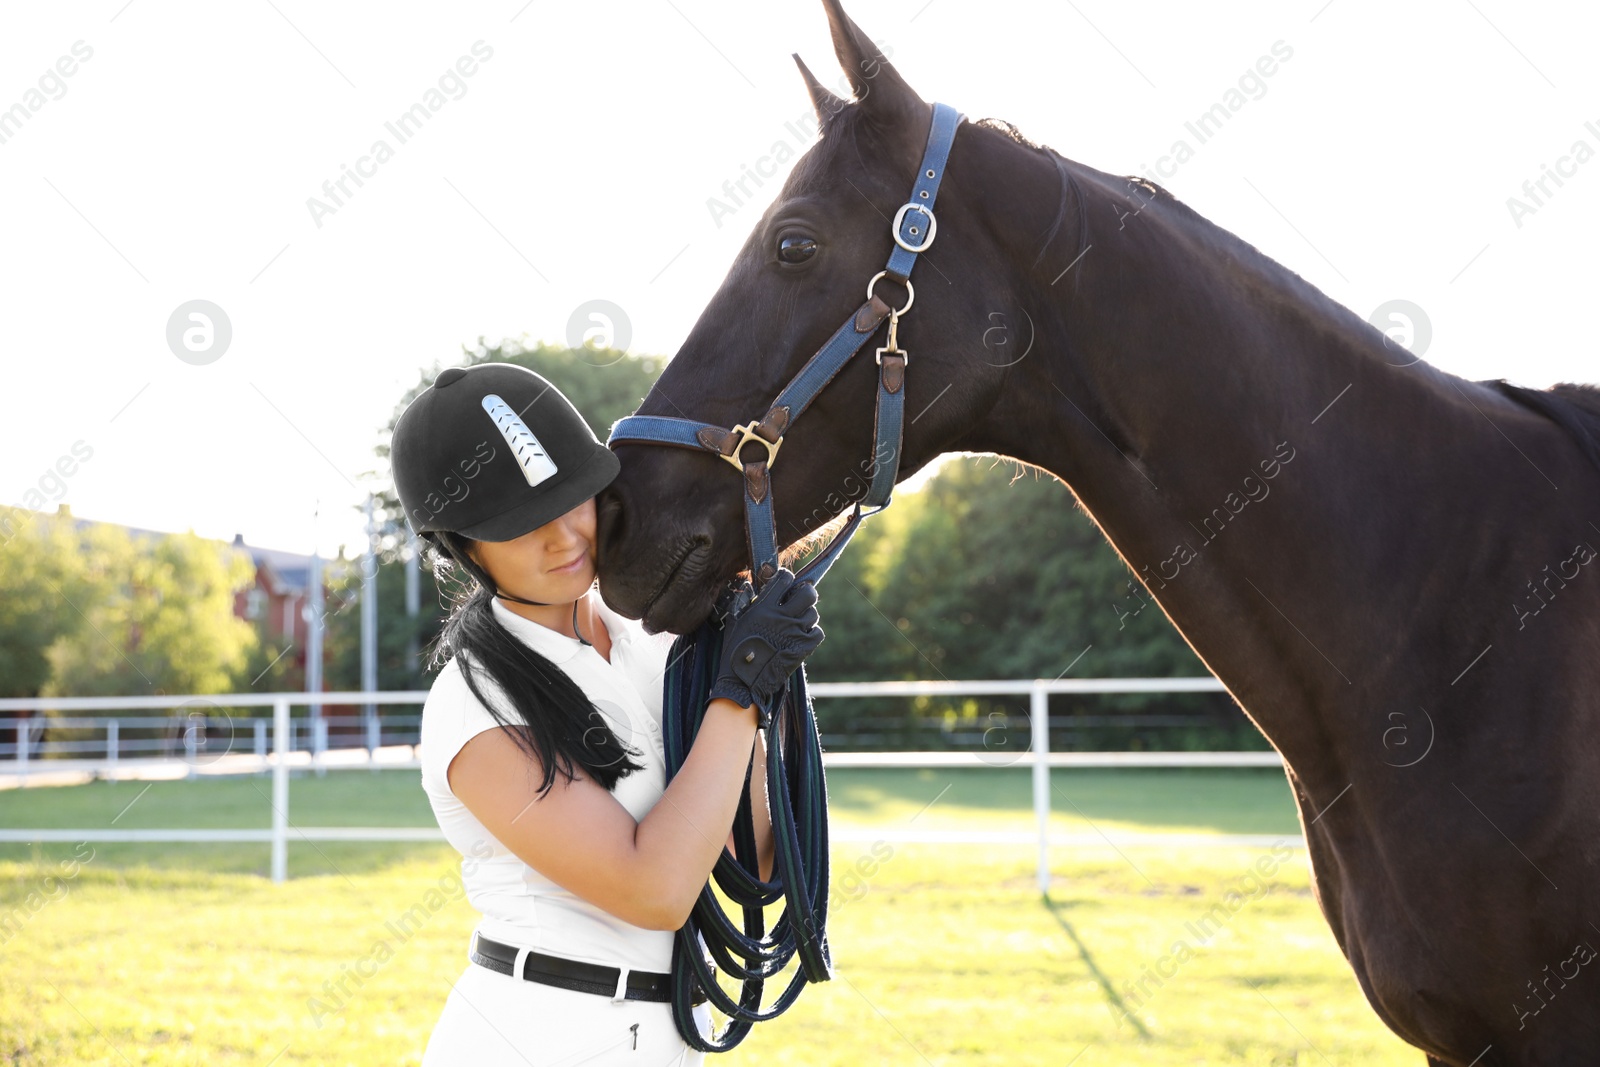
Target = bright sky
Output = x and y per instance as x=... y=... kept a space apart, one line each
x=575 y=163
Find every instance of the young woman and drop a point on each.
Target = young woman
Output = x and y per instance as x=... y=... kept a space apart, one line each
x=541 y=739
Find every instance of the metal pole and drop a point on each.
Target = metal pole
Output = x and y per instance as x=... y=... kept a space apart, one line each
x=369 y=615
x=413 y=602
x=113 y=744
x=1039 y=713
x=24 y=727
x=314 y=614
x=261 y=741
x=280 y=791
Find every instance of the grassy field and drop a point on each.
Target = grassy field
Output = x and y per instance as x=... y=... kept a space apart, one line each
x=945 y=954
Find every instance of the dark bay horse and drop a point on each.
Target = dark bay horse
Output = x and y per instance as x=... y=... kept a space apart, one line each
x=1393 y=570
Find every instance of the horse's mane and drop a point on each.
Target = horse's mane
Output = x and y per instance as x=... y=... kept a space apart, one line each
x=1573 y=407
x=1069 y=184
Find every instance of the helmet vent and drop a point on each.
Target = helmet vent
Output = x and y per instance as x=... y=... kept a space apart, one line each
x=531 y=456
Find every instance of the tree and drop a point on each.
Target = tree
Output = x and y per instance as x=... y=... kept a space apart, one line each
x=157 y=617
x=397 y=634
x=992 y=570
x=41 y=579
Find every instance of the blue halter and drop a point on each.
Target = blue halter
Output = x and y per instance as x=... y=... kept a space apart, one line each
x=913 y=232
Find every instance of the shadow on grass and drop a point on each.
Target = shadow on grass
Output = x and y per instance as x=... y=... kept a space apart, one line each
x=1119 y=1009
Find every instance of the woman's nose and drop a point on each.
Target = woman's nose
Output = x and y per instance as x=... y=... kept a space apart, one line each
x=567 y=534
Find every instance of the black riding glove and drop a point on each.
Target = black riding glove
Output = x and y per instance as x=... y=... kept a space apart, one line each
x=764 y=644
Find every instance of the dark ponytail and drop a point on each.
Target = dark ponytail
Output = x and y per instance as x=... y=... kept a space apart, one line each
x=553 y=719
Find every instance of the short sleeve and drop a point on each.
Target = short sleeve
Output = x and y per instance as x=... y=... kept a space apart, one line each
x=451 y=716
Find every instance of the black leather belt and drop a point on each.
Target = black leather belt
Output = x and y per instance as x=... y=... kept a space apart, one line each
x=576 y=974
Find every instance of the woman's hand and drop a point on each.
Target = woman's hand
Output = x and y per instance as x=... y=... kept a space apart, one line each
x=767 y=641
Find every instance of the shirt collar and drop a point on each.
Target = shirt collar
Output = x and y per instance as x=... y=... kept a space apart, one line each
x=554 y=646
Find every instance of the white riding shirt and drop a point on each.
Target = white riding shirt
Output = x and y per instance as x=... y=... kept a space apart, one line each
x=520 y=906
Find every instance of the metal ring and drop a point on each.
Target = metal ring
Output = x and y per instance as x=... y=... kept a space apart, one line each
x=899 y=216
x=911 y=294
x=747 y=433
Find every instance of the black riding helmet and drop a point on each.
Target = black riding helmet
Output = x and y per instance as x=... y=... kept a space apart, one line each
x=491 y=452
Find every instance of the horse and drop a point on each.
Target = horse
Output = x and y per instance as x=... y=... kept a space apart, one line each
x=1390 y=568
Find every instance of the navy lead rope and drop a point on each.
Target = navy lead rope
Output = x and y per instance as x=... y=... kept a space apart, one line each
x=796 y=786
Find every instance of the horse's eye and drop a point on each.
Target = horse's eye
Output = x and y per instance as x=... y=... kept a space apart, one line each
x=796 y=249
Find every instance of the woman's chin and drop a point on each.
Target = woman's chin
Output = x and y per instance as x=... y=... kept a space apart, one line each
x=578 y=582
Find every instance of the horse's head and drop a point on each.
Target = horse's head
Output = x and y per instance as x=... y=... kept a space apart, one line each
x=672 y=524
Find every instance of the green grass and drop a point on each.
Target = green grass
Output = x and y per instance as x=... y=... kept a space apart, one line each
x=178 y=954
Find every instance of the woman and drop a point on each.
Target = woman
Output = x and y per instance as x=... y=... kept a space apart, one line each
x=581 y=882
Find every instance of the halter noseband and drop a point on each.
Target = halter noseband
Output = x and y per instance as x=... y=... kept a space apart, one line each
x=913 y=231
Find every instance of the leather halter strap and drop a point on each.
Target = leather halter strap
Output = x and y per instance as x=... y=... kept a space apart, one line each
x=913 y=231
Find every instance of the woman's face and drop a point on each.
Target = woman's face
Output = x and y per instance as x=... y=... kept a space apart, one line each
x=554 y=563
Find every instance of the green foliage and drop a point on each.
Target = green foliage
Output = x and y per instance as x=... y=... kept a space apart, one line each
x=42 y=577
x=157 y=617
x=271 y=666
x=992 y=570
x=992 y=576
x=403 y=642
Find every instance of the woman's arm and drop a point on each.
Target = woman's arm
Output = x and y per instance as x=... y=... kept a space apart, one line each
x=648 y=873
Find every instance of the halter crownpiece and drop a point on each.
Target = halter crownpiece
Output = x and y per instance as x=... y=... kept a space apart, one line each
x=913 y=230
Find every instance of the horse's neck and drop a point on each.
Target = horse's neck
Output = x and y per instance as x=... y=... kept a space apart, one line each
x=1235 y=434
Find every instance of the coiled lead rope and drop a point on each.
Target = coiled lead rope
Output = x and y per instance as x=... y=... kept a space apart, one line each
x=797 y=801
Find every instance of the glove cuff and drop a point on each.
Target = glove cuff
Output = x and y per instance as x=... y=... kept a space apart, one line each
x=729 y=689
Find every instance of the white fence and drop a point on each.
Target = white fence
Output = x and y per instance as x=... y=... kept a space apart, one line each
x=283 y=755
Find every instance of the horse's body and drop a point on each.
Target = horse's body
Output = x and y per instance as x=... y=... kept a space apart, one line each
x=1393 y=570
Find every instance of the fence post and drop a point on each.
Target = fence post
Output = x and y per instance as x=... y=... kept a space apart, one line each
x=24 y=727
x=319 y=744
x=191 y=747
x=280 y=791
x=113 y=743
x=1039 y=713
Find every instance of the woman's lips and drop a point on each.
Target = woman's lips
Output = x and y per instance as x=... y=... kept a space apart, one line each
x=571 y=567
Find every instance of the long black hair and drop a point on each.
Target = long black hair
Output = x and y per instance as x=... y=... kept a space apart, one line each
x=552 y=719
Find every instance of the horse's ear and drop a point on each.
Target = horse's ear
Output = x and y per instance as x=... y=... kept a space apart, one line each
x=826 y=103
x=879 y=89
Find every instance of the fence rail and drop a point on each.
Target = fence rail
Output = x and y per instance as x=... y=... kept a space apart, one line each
x=1036 y=755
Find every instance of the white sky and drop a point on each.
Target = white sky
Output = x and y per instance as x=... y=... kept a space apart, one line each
x=577 y=166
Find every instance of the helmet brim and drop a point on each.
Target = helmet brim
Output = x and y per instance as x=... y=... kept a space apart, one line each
x=554 y=498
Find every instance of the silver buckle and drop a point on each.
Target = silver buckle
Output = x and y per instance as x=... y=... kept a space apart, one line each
x=899 y=216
